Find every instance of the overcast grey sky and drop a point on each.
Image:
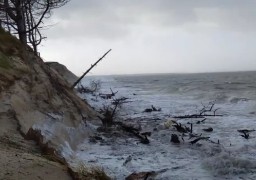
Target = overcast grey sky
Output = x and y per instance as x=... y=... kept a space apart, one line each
x=153 y=36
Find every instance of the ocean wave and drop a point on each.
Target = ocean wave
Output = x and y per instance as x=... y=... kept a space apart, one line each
x=227 y=164
x=186 y=95
x=236 y=100
x=232 y=162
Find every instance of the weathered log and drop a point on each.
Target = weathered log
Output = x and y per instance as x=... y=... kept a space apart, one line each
x=136 y=132
x=197 y=116
x=181 y=129
x=198 y=139
x=245 y=130
x=194 y=135
x=210 y=129
x=92 y=66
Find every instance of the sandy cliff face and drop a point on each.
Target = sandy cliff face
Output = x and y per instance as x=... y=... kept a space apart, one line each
x=63 y=71
x=37 y=101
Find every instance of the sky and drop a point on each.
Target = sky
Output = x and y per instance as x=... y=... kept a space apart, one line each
x=152 y=36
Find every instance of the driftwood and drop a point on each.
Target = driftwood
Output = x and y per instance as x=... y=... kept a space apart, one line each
x=109 y=111
x=120 y=101
x=182 y=129
x=245 y=133
x=218 y=142
x=191 y=135
x=198 y=139
x=108 y=115
x=208 y=129
x=94 y=87
x=206 y=111
x=136 y=132
x=128 y=159
x=198 y=122
x=108 y=96
x=245 y=130
x=82 y=89
x=92 y=66
x=152 y=109
x=197 y=116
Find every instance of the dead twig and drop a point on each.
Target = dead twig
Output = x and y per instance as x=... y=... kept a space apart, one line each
x=198 y=139
x=108 y=96
x=206 y=111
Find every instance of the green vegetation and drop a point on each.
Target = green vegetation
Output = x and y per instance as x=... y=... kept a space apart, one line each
x=6 y=37
x=9 y=44
x=4 y=62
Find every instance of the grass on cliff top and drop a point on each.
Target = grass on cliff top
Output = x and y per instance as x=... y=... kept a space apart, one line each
x=9 y=44
x=4 y=62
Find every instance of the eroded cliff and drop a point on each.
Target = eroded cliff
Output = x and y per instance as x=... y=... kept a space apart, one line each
x=37 y=102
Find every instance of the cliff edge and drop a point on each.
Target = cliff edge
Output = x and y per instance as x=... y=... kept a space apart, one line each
x=37 y=104
x=63 y=71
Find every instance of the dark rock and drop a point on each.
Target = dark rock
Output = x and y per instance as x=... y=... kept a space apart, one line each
x=146 y=133
x=145 y=140
x=140 y=175
x=175 y=138
x=98 y=137
x=148 y=110
x=208 y=129
x=92 y=140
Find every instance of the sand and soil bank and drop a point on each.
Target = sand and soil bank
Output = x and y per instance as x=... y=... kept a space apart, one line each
x=35 y=96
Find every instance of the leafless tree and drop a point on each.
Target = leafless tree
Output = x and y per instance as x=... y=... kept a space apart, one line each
x=25 y=18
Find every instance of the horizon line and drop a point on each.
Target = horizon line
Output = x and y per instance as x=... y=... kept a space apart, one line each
x=178 y=73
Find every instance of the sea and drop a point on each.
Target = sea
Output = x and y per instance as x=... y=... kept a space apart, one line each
x=226 y=154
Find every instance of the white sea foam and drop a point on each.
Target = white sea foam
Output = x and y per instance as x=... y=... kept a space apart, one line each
x=234 y=157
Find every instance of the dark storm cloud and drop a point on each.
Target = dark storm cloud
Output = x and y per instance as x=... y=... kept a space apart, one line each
x=112 y=19
x=152 y=36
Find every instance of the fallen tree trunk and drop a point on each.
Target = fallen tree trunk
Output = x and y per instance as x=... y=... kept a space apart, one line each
x=198 y=116
x=92 y=66
x=143 y=137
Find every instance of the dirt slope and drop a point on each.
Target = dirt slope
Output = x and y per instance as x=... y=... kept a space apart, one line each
x=33 y=94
